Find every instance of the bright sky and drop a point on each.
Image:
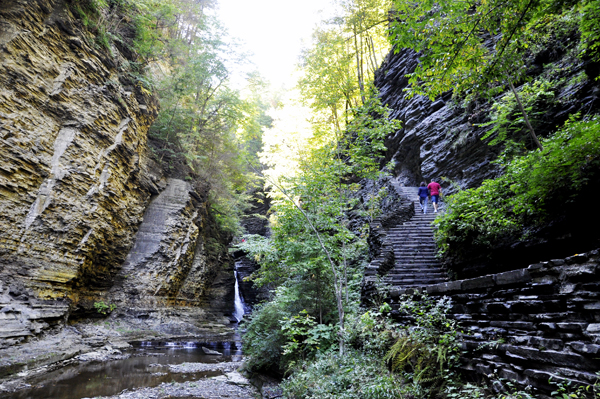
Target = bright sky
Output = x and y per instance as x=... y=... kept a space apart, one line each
x=273 y=31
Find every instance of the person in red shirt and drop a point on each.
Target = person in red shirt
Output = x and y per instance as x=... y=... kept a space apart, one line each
x=434 y=190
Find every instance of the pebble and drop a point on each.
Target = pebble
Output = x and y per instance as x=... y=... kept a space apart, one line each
x=211 y=388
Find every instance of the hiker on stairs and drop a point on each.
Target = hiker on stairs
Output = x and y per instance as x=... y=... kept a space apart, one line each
x=423 y=194
x=434 y=190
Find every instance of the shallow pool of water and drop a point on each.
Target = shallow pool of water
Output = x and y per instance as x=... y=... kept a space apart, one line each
x=147 y=367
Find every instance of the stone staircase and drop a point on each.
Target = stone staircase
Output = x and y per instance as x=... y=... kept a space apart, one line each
x=414 y=248
x=413 y=263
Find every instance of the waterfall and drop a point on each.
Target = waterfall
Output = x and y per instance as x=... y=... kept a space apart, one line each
x=238 y=302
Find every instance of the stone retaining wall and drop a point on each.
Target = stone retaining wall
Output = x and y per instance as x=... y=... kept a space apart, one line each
x=530 y=324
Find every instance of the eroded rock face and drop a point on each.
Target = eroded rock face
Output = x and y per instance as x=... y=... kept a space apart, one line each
x=442 y=139
x=76 y=178
x=437 y=139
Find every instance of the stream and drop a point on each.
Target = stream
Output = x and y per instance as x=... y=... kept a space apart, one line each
x=149 y=364
x=146 y=364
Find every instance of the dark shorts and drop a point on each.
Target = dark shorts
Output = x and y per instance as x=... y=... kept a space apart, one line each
x=434 y=198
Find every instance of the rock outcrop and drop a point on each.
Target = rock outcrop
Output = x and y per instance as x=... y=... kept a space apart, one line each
x=76 y=179
x=528 y=325
x=443 y=139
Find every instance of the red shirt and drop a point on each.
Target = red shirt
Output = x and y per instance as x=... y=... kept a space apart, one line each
x=434 y=188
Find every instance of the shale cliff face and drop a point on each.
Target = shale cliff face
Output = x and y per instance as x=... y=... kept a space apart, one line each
x=76 y=179
x=442 y=139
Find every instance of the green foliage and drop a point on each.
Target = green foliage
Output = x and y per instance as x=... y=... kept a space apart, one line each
x=426 y=351
x=451 y=39
x=305 y=337
x=353 y=376
x=313 y=256
x=371 y=332
x=590 y=29
x=338 y=66
x=104 y=308
x=533 y=186
x=264 y=340
x=480 y=49
x=155 y=22
x=571 y=390
x=506 y=118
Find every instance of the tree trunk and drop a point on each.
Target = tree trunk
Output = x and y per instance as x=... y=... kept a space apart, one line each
x=531 y=131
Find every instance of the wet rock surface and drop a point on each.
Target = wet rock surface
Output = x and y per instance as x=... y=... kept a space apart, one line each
x=100 y=341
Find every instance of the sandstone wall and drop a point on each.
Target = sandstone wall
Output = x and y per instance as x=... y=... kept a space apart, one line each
x=76 y=178
x=528 y=325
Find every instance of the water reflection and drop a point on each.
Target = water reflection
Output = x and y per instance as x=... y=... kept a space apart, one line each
x=148 y=367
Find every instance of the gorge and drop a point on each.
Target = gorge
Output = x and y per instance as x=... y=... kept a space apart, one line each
x=117 y=204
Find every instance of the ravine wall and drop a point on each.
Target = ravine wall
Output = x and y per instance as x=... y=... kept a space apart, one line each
x=529 y=325
x=77 y=181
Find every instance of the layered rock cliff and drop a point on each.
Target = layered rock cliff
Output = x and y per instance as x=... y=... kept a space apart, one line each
x=77 y=181
x=442 y=138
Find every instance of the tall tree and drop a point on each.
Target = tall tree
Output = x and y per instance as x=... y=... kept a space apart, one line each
x=469 y=46
x=341 y=61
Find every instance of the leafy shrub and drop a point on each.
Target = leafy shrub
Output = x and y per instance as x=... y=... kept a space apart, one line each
x=353 y=376
x=426 y=350
x=590 y=29
x=305 y=337
x=371 y=332
x=506 y=118
x=534 y=186
x=264 y=340
x=104 y=308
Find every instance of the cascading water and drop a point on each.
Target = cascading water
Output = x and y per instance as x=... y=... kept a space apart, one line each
x=239 y=307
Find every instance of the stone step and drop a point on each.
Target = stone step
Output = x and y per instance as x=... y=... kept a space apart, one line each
x=423 y=241
x=427 y=263
x=412 y=245
x=401 y=235
x=400 y=254
x=414 y=249
x=407 y=258
x=413 y=282
x=408 y=234
x=417 y=263
x=421 y=230
x=408 y=245
x=416 y=269
x=412 y=269
x=396 y=275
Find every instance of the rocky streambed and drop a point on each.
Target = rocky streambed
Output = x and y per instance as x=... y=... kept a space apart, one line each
x=117 y=359
x=176 y=368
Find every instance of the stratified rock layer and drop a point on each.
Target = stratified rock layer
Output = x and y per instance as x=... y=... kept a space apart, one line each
x=443 y=139
x=75 y=181
x=437 y=139
x=529 y=326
